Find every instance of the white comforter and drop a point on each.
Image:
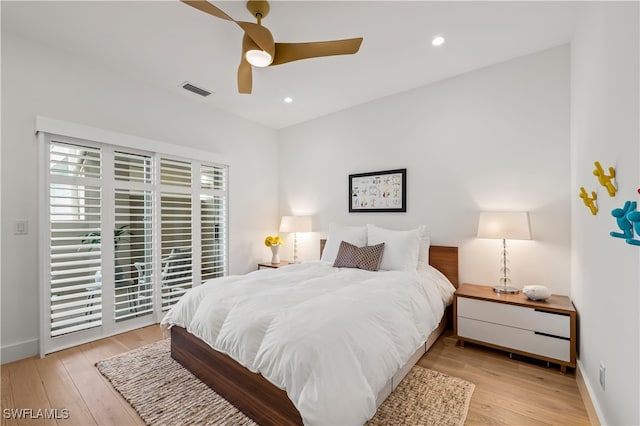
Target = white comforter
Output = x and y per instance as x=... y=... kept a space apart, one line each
x=331 y=337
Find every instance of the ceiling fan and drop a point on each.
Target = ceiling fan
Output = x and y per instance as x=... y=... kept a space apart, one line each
x=260 y=50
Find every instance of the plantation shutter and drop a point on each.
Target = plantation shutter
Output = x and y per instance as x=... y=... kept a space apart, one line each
x=75 y=292
x=124 y=234
x=133 y=235
x=176 y=230
x=213 y=219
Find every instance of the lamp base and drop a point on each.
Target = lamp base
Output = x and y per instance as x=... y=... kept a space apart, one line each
x=506 y=289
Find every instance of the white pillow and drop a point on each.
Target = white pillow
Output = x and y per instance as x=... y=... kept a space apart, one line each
x=400 y=247
x=423 y=251
x=356 y=235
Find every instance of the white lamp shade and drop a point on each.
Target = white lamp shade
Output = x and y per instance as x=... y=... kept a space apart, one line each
x=295 y=224
x=504 y=225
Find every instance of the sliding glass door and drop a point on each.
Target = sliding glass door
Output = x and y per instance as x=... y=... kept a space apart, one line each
x=127 y=234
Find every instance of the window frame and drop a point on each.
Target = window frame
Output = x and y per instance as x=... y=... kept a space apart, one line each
x=90 y=136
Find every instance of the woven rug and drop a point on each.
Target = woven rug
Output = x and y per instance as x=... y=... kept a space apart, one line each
x=165 y=393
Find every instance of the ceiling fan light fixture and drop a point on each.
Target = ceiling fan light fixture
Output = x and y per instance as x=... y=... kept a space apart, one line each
x=258 y=58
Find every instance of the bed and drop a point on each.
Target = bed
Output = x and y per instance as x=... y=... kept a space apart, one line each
x=250 y=391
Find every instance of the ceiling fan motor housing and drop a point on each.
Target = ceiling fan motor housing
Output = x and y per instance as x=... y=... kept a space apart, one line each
x=258 y=8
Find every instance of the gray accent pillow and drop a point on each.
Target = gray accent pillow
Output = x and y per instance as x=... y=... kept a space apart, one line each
x=367 y=257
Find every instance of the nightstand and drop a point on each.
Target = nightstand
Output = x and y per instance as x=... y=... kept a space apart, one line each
x=545 y=330
x=272 y=265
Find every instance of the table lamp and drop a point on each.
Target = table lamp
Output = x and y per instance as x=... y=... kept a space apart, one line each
x=295 y=224
x=504 y=226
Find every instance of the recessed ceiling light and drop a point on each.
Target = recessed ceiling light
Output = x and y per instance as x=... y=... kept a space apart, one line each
x=437 y=41
x=288 y=99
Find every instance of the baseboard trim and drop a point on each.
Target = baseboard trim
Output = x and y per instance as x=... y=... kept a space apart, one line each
x=585 y=392
x=17 y=351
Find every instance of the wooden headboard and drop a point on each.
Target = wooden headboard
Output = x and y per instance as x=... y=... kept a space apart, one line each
x=443 y=258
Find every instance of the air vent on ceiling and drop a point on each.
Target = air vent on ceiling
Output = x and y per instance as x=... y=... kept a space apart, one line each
x=195 y=89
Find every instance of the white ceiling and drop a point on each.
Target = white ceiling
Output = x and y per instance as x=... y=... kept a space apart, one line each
x=165 y=43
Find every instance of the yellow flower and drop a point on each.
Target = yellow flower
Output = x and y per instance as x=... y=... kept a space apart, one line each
x=273 y=241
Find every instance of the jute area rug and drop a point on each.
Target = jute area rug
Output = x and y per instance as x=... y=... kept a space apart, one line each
x=165 y=393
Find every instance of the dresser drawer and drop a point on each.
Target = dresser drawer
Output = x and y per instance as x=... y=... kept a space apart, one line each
x=515 y=316
x=514 y=338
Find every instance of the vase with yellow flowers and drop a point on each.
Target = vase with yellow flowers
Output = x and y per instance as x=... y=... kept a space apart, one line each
x=274 y=242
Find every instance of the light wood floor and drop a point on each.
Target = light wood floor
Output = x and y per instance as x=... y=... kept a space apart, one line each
x=508 y=392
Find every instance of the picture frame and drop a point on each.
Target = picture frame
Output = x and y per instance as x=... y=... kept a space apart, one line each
x=384 y=191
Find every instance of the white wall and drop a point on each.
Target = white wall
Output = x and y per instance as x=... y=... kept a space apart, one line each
x=492 y=139
x=605 y=274
x=40 y=81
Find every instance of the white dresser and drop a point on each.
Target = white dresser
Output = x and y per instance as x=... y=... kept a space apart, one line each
x=540 y=329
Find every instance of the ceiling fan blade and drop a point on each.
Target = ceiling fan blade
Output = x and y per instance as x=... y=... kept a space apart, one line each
x=245 y=77
x=288 y=52
x=207 y=7
x=260 y=36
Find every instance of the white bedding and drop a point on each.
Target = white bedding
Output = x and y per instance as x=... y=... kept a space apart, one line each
x=331 y=337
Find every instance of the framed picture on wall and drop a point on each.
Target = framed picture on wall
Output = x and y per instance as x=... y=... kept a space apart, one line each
x=384 y=191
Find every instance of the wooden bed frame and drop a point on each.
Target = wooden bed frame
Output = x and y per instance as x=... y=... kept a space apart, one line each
x=250 y=392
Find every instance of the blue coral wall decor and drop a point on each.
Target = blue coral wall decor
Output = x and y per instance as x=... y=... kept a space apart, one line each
x=628 y=220
x=623 y=223
x=634 y=218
